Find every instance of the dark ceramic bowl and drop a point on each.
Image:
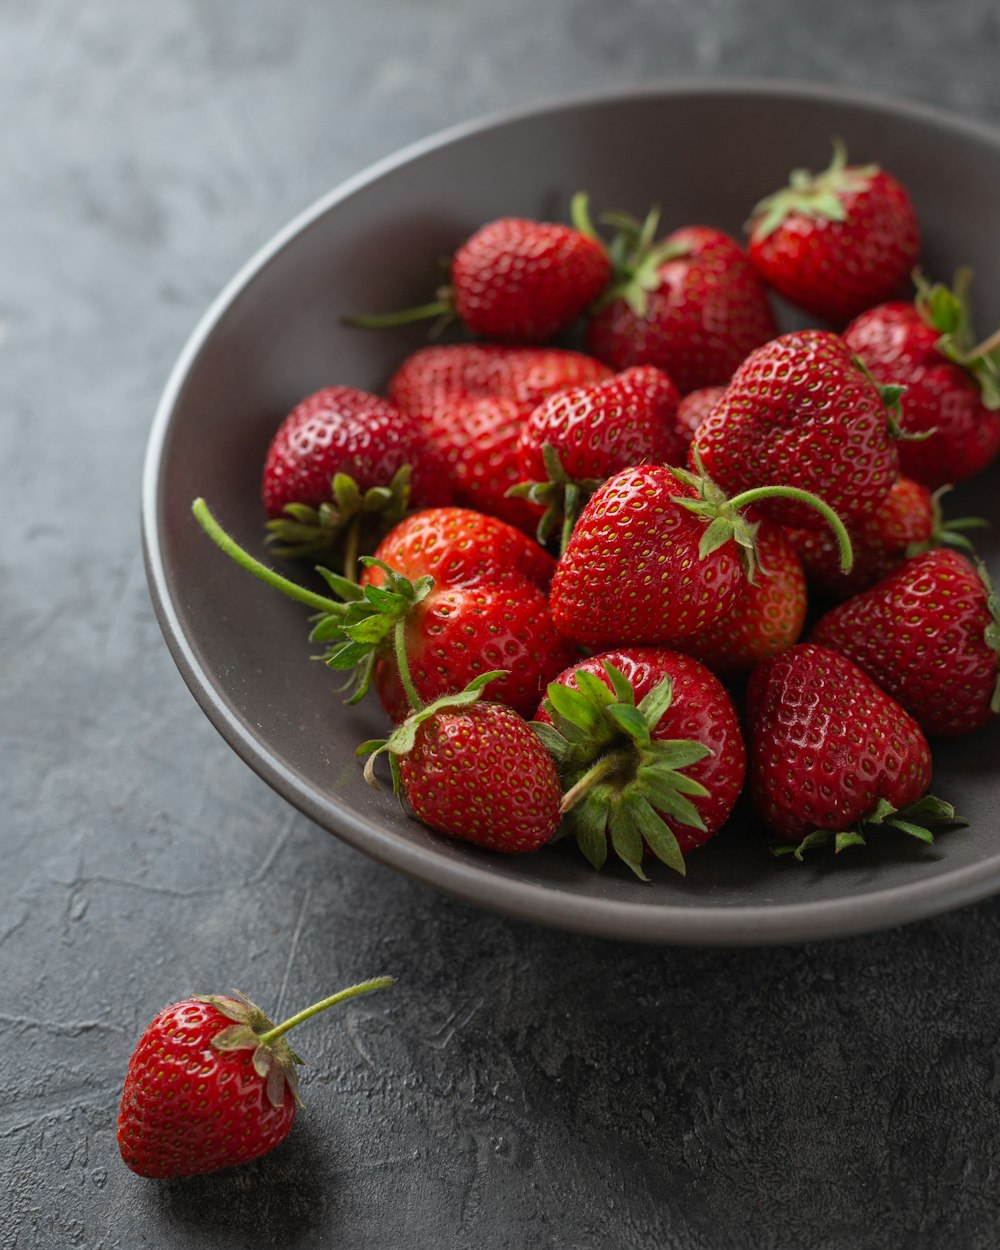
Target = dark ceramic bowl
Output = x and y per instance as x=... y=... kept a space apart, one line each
x=706 y=153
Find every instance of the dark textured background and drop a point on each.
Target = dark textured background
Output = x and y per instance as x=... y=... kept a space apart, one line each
x=519 y=1087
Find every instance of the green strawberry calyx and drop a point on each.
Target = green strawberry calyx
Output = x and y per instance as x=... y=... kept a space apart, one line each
x=560 y=495
x=991 y=635
x=891 y=394
x=817 y=196
x=634 y=252
x=946 y=310
x=915 y=820
x=726 y=521
x=946 y=531
x=273 y=1060
x=351 y=519
x=403 y=738
x=357 y=626
x=621 y=783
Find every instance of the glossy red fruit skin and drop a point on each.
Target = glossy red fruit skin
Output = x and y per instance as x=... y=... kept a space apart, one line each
x=521 y=281
x=525 y=375
x=339 y=429
x=625 y=420
x=799 y=412
x=898 y=348
x=767 y=616
x=825 y=743
x=708 y=313
x=701 y=711
x=188 y=1108
x=480 y=774
x=694 y=408
x=880 y=542
x=488 y=609
x=836 y=269
x=631 y=573
x=919 y=633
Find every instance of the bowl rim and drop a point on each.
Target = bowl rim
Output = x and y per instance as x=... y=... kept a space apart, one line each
x=470 y=880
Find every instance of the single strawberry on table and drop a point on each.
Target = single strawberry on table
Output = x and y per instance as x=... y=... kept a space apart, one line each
x=212 y=1083
x=831 y=757
x=837 y=242
x=929 y=634
x=514 y=280
x=649 y=752
x=952 y=382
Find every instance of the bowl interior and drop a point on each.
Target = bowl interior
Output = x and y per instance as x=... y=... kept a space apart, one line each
x=705 y=155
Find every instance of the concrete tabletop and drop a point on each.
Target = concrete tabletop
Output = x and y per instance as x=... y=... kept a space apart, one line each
x=518 y=1087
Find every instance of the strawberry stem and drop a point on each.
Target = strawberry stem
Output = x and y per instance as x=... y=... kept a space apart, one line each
x=246 y=561
x=403 y=665
x=807 y=497
x=597 y=772
x=363 y=987
x=382 y=321
x=352 y=545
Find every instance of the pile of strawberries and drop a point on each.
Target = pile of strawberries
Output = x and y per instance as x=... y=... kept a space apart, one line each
x=578 y=571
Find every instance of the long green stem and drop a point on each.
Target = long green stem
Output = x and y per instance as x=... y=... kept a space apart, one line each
x=986 y=347
x=807 y=497
x=403 y=665
x=363 y=987
x=381 y=321
x=246 y=561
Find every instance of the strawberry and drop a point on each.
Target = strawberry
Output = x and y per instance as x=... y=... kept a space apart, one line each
x=211 y=1084
x=838 y=242
x=472 y=770
x=929 y=634
x=575 y=439
x=338 y=472
x=515 y=281
x=525 y=375
x=690 y=304
x=800 y=411
x=476 y=603
x=906 y=522
x=952 y=383
x=695 y=407
x=649 y=748
x=831 y=757
x=766 y=617
x=658 y=554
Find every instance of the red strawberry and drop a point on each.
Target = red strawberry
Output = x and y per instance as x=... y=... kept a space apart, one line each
x=837 y=242
x=695 y=407
x=525 y=375
x=649 y=748
x=906 y=522
x=831 y=755
x=593 y=431
x=473 y=770
x=658 y=554
x=691 y=305
x=766 y=617
x=952 y=384
x=929 y=635
x=339 y=471
x=211 y=1084
x=476 y=603
x=516 y=281
x=799 y=411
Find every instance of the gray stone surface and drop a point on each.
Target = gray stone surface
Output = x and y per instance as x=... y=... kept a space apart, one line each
x=519 y=1087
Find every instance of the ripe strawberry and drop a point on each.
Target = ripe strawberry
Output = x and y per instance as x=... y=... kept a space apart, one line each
x=516 y=281
x=339 y=472
x=831 y=755
x=929 y=634
x=690 y=304
x=526 y=375
x=476 y=603
x=695 y=407
x=837 y=242
x=766 y=617
x=472 y=770
x=906 y=522
x=575 y=439
x=649 y=748
x=799 y=411
x=658 y=554
x=211 y=1084
x=952 y=384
